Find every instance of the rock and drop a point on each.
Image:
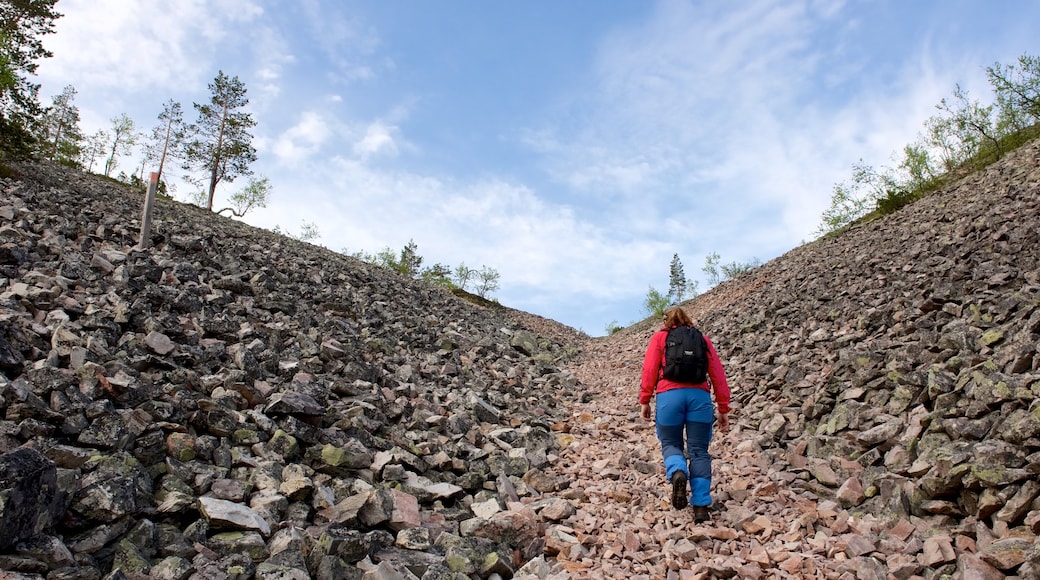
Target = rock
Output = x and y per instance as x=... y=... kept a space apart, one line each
x=171 y=568
x=160 y=343
x=971 y=566
x=558 y=510
x=31 y=500
x=1007 y=553
x=223 y=514
x=850 y=494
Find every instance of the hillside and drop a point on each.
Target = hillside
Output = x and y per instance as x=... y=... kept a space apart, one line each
x=887 y=423
x=230 y=403
x=233 y=399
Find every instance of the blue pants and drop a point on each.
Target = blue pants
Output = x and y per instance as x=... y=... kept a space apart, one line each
x=690 y=409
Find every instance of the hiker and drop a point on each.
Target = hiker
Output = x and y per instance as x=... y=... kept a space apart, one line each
x=685 y=402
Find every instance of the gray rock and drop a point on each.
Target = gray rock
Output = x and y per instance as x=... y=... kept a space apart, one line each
x=172 y=568
x=223 y=514
x=31 y=500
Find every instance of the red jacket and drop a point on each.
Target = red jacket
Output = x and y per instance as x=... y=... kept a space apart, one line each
x=653 y=382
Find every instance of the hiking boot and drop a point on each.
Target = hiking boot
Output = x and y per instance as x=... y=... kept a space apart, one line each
x=700 y=514
x=679 y=490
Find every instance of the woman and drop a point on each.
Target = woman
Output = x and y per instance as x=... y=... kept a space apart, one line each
x=685 y=406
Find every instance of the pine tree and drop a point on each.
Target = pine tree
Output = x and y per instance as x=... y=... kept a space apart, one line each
x=220 y=141
x=23 y=23
x=60 y=137
x=676 y=280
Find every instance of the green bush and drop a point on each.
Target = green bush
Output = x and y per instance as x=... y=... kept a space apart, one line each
x=613 y=327
x=898 y=198
x=656 y=303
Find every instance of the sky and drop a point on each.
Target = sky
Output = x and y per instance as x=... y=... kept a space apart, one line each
x=573 y=146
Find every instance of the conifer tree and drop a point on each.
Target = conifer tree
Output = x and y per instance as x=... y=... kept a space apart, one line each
x=220 y=142
x=676 y=279
x=23 y=23
x=59 y=135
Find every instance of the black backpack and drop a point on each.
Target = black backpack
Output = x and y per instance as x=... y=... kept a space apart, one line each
x=685 y=355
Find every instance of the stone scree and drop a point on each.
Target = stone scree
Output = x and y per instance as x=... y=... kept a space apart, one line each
x=234 y=403
x=895 y=368
x=231 y=403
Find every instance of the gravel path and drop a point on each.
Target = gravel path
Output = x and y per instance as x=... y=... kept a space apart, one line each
x=625 y=525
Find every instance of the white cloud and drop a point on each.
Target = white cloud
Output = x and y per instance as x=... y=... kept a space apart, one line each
x=730 y=118
x=162 y=45
x=541 y=249
x=377 y=140
x=301 y=140
x=272 y=53
x=348 y=43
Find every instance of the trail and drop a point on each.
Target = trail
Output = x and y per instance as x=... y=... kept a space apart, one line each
x=766 y=522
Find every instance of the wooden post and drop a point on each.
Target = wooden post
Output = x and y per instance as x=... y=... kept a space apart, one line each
x=146 y=216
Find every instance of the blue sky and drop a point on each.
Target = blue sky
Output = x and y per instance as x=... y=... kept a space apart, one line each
x=572 y=146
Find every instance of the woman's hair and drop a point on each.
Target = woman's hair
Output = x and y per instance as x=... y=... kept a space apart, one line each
x=676 y=316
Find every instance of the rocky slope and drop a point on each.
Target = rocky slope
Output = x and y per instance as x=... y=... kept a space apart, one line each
x=887 y=423
x=230 y=403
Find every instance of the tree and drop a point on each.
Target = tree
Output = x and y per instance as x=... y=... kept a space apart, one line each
x=220 y=142
x=678 y=283
x=972 y=125
x=123 y=138
x=61 y=114
x=407 y=261
x=385 y=258
x=1017 y=94
x=711 y=269
x=96 y=144
x=734 y=269
x=439 y=274
x=167 y=136
x=463 y=275
x=255 y=194
x=22 y=25
x=59 y=128
x=965 y=131
x=487 y=281
x=853 y=199
x=8 y=77
x=655 y=303
x=917 y=166
x=1018 y=88
x=308 y=232
x=410 y=260
x=676 y=279
x=846 y=207
x=718 y=273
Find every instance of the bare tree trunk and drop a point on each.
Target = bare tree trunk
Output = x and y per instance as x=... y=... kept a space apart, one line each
x=112 y=157
x=216 y=159
x=57 y=140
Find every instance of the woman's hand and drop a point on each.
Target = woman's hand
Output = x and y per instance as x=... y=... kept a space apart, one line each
x=645 y=411
x=723 y=421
